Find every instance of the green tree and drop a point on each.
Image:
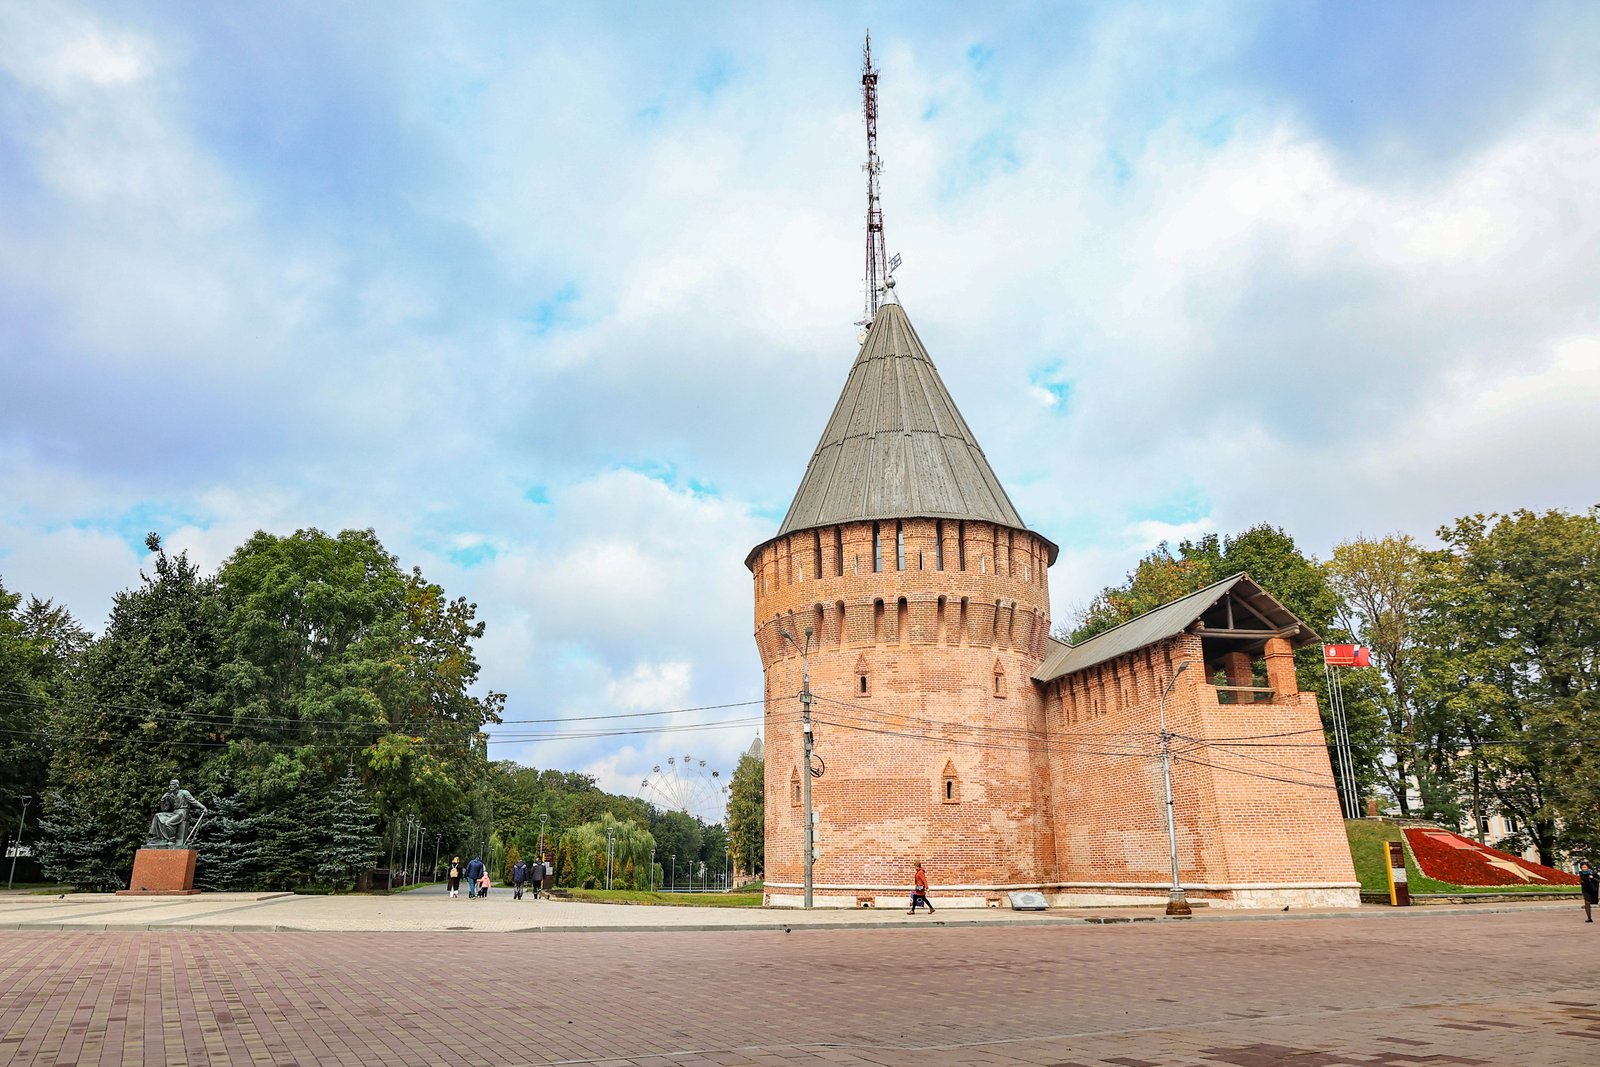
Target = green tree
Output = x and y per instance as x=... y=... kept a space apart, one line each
x=227 y=847
x=1379 y=583
x=747 y=814
x=677 y=834
x=337 y=653
x=352 y=842
x=1509 y=670
x=147 y=710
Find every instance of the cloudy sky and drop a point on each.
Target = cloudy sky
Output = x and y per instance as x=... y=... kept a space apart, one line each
x=558 y=299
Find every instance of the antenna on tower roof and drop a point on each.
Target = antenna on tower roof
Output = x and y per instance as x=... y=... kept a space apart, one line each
x=878 y=267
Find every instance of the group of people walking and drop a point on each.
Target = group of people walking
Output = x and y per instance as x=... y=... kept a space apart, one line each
x=476 y=875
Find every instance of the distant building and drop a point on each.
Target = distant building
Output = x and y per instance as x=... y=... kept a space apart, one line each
x=952 y=729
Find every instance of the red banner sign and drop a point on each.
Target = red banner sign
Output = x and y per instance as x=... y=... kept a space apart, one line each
x=1347 y=655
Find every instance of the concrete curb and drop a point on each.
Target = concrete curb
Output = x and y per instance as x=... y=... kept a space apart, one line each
x=953 y=923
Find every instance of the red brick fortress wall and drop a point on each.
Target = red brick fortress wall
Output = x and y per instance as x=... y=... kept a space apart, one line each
x=1255 y=811
x=942 y=759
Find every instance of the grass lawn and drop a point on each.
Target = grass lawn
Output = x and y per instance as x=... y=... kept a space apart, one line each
x=680 y=900
x=1367 y=849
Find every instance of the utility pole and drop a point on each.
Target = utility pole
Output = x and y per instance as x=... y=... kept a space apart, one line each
x=809 y=838
x=1176 y=904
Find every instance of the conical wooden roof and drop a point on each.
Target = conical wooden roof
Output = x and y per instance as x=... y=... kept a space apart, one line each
x=896 y=446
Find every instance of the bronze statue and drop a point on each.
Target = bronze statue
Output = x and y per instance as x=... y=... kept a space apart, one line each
x=170 y=827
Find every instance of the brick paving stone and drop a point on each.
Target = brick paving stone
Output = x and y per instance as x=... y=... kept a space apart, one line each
x=1512 y=988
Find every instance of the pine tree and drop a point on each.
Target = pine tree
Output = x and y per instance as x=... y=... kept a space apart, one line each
x=227 y=849
x=287 y=843
x=352 y=841
x=75 y=849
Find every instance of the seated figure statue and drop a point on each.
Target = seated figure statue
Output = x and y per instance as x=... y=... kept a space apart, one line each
x=170 y=828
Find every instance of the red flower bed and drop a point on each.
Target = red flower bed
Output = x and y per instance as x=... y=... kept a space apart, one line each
x=1447 y=857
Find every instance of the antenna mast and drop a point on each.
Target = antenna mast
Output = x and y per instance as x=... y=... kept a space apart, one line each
x=877 y=259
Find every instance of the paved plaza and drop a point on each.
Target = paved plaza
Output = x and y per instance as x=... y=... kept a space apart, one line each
x=1440 y=988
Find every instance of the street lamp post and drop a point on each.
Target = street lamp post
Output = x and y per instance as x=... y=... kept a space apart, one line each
x=17 y=848
x=608 y=857
x=405 y=851
x=652 y=870
x=808 y=839
x=1176 y=904
x=438 y=836
x=672 y=874
x=543 y=821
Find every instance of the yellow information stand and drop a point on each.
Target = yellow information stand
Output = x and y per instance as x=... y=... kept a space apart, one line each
x=1399 y=893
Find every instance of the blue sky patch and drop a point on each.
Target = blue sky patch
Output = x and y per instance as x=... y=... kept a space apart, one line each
x=555 y=311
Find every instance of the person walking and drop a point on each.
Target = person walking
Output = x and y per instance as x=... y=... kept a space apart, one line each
x=519 y=875
x=455 y=877
x=1589 y=882
x=919 y=891
x=483 y=883
x=475 y=870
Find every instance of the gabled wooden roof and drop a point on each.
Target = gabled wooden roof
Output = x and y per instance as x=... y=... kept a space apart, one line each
x=1260 y=616
x=896 y=446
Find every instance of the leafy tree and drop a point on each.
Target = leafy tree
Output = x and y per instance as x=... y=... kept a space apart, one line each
x=747 y=814
x=1379 y=583
x=1509 y=667
x=677 y=834
x=337 y=653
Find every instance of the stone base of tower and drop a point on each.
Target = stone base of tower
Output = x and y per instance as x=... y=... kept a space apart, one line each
x=1269 y=897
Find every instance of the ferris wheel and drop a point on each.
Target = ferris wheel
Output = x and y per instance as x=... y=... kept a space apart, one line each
x=686 y=784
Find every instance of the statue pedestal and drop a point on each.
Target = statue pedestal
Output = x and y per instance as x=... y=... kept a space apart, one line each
x=162 y=872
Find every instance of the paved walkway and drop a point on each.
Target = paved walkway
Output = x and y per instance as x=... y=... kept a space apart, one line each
x=431 y=909
x=1442 y=990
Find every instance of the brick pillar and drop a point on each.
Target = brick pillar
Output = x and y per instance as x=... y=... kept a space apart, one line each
x=1280 y=668
x=1237 y=667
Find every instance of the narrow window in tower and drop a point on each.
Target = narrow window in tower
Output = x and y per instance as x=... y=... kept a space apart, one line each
x=938 y=545
x=877 y=548
x=899 y=547
x=838 y=613
x=961 y=623
x=838 y=552
x=1011 y=566
x=999 y=679
x=938 y=623
x=816 y=553
x=950 y=784
x=877 y=622
x=794 y=788
x=862 y=687
x=902 y=622
x=961 y=546
x=819 y=624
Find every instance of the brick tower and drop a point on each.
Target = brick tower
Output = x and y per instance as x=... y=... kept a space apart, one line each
x=928 y=603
